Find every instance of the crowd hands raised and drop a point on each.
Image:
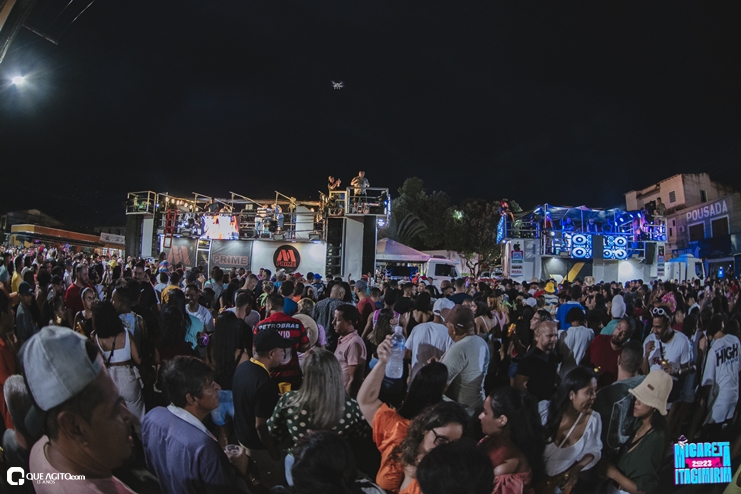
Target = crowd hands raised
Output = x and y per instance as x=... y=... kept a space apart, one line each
x=143 y=376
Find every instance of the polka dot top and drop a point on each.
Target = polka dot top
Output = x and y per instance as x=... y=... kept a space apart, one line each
x=288 y=422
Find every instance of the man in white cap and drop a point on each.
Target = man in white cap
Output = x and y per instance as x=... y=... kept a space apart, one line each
x=429 y=340
x=78 y=407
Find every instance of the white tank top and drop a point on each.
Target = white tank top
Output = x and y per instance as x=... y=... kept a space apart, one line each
x=119 y=354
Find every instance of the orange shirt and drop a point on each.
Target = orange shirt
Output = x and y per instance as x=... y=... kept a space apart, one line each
x=389 y=429
x=412 y=488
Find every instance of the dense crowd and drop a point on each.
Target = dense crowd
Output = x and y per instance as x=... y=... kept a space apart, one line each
x=129 y=375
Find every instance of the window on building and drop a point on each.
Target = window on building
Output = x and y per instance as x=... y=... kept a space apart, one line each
x=720 y=227
x=697 y=232
x=671 y=233
x=703 y=196
x=672 y=197
x=674 y=222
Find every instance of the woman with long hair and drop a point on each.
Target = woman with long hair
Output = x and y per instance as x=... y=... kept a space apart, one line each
x=514 y=440
x=637 y=466
x=572 y=429
x=121 y=356
x=171 y=341
x=384 y=326
x=390 y=426
x=226 y=350
x=193 y=325
x=440 y=424
x=422 y=313
x=321 y=404
x=486 y=323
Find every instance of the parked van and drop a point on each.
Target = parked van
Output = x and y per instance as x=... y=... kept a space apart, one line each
x=439 y=269
x=685 y=268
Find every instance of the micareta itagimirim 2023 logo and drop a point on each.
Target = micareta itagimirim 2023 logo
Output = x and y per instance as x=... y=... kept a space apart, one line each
x=702 y=463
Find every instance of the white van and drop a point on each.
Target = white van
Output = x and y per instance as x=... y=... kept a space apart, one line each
x=439 y=269
x=685 y=268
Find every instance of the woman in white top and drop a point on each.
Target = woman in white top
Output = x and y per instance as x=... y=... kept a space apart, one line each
x=572 y=429
x=121 y=356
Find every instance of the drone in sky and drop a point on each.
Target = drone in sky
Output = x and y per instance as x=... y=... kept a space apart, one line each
x=338 y=85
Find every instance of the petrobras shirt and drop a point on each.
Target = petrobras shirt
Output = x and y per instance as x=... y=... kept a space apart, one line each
x=677 y=351
x=721 y=372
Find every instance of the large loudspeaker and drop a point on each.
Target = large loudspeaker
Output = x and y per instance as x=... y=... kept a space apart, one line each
x=598 y=245
x=650 y=252
x=370 y=237
x=134 y=235
x=335 y=227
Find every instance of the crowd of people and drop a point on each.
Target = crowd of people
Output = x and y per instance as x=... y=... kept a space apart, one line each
x=141 y=376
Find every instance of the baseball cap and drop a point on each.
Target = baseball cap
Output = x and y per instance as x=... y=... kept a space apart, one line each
x=361 y=285
x=56 y=279
x=269 y=339
x=25 y=289
x=57 y=367
x=531 y=302
x=297 y=276
x=317 y=277
x=441 y=304
x=461 y=318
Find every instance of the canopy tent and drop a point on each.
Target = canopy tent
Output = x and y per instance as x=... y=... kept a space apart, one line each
x=581 y=213
x=388 y=250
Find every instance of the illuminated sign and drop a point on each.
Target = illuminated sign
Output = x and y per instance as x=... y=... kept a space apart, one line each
x=702 y=463
x=708 y=211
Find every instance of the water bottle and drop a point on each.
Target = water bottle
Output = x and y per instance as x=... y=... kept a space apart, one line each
x=395 y=365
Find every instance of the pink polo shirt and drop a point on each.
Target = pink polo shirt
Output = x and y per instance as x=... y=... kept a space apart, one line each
x=350 y=351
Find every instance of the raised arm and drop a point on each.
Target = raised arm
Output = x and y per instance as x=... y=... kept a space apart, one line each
x=371 y=387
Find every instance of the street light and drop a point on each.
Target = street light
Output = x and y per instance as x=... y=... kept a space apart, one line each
x=18 y=80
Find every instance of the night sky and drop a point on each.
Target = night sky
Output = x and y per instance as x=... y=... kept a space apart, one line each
x=560 y=102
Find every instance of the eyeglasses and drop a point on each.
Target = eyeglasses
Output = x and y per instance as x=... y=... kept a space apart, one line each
x=439 y=439
x=660 y=312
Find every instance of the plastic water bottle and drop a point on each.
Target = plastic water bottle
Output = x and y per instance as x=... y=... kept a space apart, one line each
x=395 y=365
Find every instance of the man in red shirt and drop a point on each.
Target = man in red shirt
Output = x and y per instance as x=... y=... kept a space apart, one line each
x=72 y=297
x=365 y=303
x=289 y=371
x=604 y=351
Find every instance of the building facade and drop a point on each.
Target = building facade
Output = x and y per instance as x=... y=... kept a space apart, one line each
x=703 y=218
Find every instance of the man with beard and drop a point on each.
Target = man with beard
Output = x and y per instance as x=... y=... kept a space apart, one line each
x=604 y=351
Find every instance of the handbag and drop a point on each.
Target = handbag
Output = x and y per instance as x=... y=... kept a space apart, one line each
x=550 y=484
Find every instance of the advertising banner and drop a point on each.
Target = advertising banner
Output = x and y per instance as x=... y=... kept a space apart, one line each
x=230 y=253
x=182 y=250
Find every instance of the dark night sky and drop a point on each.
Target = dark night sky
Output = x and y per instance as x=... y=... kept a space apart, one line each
x=553 y=102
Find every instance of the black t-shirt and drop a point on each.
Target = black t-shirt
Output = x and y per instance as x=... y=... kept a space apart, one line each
x=541 y=368
x=147 y=297
x=255 y=395
x=459 y=298
x=404 y=305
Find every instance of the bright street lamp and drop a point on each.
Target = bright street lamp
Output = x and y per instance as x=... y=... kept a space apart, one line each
x=18 y=80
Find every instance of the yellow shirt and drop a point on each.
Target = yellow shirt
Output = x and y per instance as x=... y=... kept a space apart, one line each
x=166 y=292
x=15 y=281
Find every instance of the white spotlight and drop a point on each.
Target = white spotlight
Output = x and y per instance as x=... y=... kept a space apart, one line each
x=18 y=80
